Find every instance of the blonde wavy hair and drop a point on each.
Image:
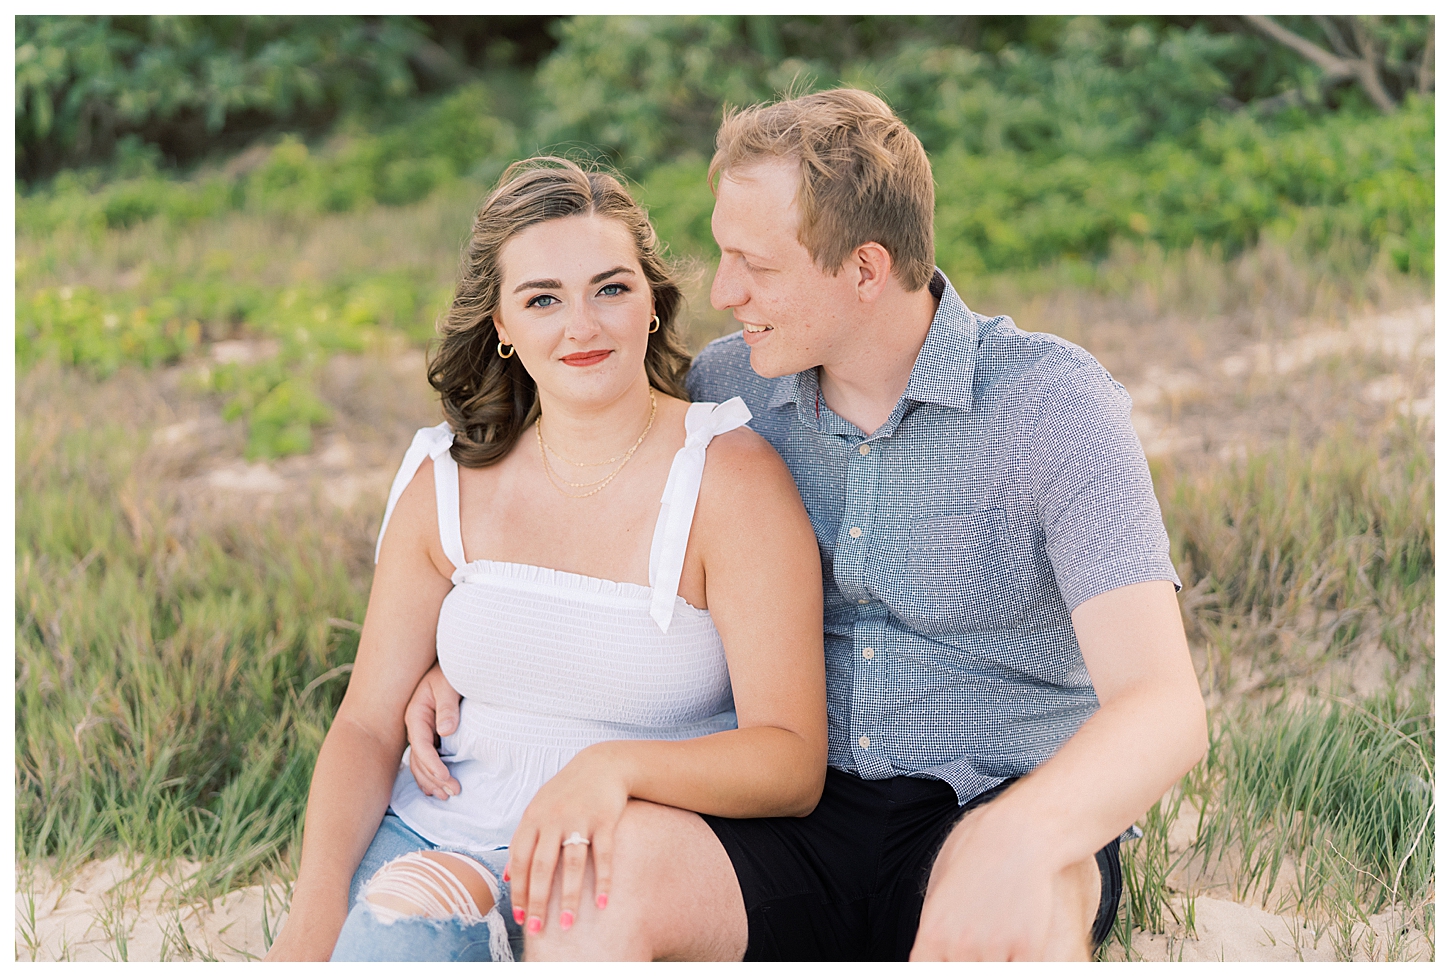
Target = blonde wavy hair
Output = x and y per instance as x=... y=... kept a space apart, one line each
x=863 y=175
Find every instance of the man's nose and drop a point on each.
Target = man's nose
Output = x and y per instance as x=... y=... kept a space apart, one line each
x=725 y=290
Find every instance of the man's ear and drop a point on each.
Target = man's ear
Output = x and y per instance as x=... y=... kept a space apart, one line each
x=873 y=270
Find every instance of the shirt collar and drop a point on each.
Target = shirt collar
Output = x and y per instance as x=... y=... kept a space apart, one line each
x=790 y=389
x=944 y=368
x=947 y=363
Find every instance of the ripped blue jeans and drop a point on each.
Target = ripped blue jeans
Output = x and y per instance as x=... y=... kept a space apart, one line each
x=366 y=937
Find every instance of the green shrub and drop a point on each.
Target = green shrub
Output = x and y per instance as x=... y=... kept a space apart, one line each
x=1365 y=182
x=680 y=203
x=1043 y=150
x=83 y=83
x=83 y=328
x=452 y=137
x=281 y=423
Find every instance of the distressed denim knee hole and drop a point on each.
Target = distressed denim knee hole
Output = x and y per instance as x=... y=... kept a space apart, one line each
x=416 y=885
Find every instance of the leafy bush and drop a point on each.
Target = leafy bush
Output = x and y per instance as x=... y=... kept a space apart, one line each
x=1099 y=91
x=1365 y=179
x=82 y=328
x=1042 y=151
x=81 y=83
x=647 y=90
x=451 y=137
x=161 y=321
x=1365 y=182
x=281 y=421
x=644 y=90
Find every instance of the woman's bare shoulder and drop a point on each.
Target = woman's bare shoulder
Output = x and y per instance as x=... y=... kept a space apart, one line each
x=742 y=469
x=413 y=524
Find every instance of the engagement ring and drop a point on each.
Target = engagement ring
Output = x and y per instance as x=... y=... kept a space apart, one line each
x=576 y=839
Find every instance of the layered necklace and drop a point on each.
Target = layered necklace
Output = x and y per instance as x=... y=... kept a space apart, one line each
x=598 y=485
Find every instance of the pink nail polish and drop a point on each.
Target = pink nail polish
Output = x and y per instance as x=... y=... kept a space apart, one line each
x=505 y=875
x=566 y=919
x=535 y=924
x=602 y=901
x=519 y=916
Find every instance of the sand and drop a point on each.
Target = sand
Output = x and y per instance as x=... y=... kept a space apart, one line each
x=108 y=911
x=1231 y=931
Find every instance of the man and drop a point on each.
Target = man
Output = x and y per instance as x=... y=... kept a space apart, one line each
x=1009 y=685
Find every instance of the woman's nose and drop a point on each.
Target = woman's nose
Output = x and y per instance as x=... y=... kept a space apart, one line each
x=580 y=322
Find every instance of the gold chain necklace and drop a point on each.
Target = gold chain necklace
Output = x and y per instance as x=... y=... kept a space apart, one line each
x=596 y=464
x=600 y=483
x=622 y=459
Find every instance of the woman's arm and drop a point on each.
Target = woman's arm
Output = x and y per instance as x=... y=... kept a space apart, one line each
x=763 y=584
x=359 y=758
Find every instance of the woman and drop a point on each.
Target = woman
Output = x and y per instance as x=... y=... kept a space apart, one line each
x=595 y=631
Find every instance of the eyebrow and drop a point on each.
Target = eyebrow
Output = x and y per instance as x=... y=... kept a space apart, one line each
x=555 y=283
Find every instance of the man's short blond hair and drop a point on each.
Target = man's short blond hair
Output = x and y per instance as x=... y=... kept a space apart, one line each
x=863 y=175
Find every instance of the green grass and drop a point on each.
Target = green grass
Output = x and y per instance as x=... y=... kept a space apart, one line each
x=1340 y=790
x=1295 y=559
x=1340 y=793
x=1308 y=551
x=172 y=687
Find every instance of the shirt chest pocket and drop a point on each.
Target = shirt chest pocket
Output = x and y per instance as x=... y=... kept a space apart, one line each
x=969 y=571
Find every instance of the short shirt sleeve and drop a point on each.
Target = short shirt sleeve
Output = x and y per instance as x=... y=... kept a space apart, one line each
x=1093 y=491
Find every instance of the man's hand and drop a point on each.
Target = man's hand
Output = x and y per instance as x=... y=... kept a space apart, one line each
x=432 y=712
x=994 y=895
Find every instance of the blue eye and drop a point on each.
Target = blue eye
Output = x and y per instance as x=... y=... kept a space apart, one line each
x=613 y=288
x=540 y=302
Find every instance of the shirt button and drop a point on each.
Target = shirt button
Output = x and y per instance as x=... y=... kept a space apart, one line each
x=863 y=600
x=865 y=742
x=855 y=532
x=868 y=653
x=865 y=449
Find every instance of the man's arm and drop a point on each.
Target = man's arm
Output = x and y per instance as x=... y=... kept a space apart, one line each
x=993 y=887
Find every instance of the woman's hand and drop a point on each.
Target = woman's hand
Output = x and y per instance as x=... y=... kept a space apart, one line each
x=588 y=797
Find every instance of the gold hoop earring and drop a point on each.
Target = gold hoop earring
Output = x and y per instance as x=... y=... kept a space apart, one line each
x=501 y=354
x=656 y=323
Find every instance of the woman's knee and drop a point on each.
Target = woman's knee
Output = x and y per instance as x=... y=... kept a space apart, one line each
x=434 y=884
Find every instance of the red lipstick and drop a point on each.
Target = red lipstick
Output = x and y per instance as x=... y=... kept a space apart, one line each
x=586 y=358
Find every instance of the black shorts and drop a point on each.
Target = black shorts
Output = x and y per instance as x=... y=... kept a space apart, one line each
x=847 y=881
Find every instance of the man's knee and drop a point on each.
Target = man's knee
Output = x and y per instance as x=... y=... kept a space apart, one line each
x=623 y=930
x=439 y=885
x=1075 y=910
x=673 y=895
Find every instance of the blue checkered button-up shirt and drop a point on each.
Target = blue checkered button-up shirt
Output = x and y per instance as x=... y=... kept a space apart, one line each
x=1006 y=488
